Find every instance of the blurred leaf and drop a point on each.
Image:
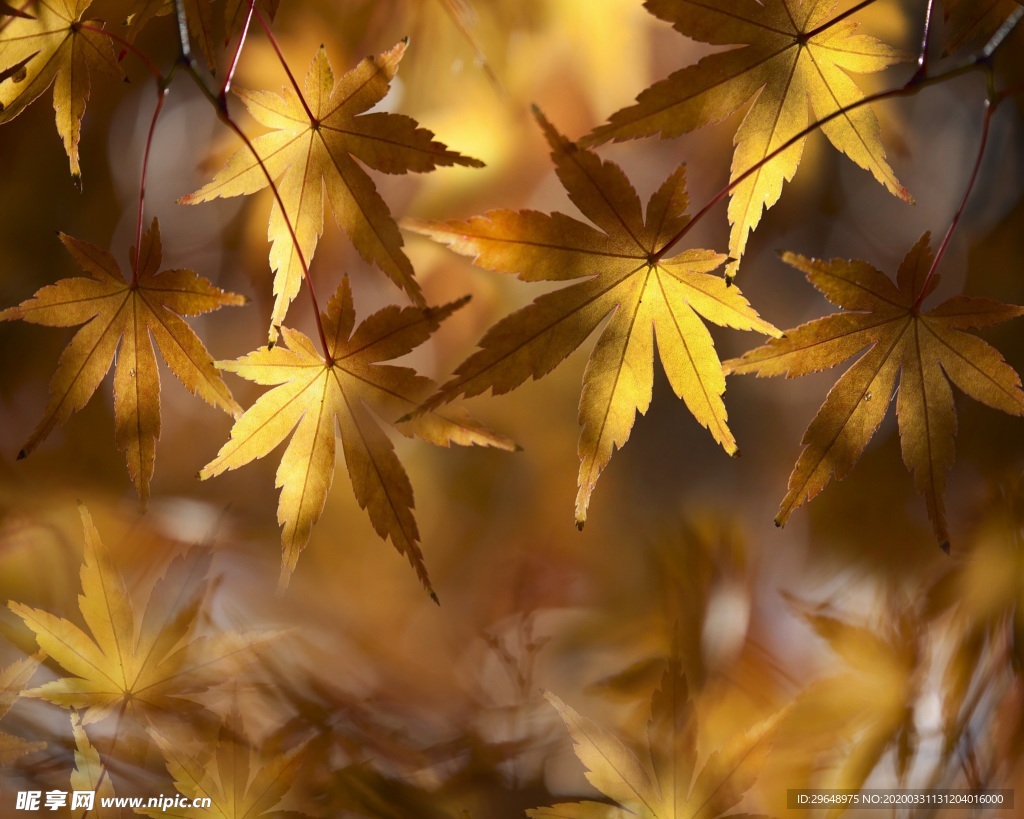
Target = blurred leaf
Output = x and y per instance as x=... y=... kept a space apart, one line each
x=53 y=45
x=241 y=782
x=867 y=709
x=120 y=316
x=793 y=53
x=346 y=388
x=152 y=666
x=669 y=789
x=927 y=350
x=13 y=679
x=317 y=135
x=643 y=295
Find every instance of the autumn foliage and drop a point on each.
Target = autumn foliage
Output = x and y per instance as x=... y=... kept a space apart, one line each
x=162 y=635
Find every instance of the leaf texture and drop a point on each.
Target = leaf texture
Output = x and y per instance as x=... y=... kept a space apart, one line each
x=312 y=151
x=926 y=351
x=671 y=788
x=970 y=21
x=637 y=296
x=349 y=389
x=150 y=665
x=49 y=47
x=794 y=56
x=121 y=318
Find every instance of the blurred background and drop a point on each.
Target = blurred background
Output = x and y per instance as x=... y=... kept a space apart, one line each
x=895 y=664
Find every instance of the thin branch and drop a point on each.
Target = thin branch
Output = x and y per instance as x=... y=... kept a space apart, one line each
x=990 y=108
x=284 y=63
x=922 y=55
x=183 y=41
x=238 y=53
x=912 y=87
x=162 y=95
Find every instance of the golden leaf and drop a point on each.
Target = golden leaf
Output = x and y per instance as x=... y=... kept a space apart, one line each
x=152 y=666
x=638 y=294
x=317 y=138
x=315 y=394
x=926 y=350
x=668 y=789
x=120 y=317
x=13 y=679
x=239 y=781
x=50 y=45
x=794 y=53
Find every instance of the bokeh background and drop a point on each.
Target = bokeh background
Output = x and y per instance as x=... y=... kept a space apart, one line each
x=409 y=709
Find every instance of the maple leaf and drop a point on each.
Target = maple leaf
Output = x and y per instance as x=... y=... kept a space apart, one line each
x=239 y=781
x=866 y=708
x=120 y=317
x=794 y=54
x=317 y=138
x=928 y=350
x=51 y=46
x=12 y=680
x=668 y=789
x=149 y=666
x=641 y=295
x=347 y=388
x=89 y=774
x=975 y=20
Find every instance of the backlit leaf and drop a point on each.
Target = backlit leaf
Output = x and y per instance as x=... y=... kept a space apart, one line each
x=312 y=150
x=121 y=318
x=51 y=46
x=348 y=390
x=637 y=296
x=795 y=55
x=926 y=351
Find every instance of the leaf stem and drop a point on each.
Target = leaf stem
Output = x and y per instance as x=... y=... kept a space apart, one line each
x=990 y=106
x=913 y=86
x=284 y=63
x=105 y=765
x=161 y=96
x=238 y=53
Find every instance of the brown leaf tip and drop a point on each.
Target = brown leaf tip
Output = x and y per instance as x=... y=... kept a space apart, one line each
x=22 y=455
x=579 y=525
x=945 y=547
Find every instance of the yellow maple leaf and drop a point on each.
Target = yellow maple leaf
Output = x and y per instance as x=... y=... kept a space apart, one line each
x=640 y=295
x=13 y=679
x=928 y=350
x=346 y=388
x=240 y=781
x=794 y=54
x=856 y=715
x=669 y=788
x=317 y=138
x=152 y=666
x=46 y=45
x=119 y=317
x=90 y=774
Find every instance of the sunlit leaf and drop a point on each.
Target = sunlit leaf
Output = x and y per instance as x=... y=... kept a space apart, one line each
x=636 y=295
x=927 y=351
